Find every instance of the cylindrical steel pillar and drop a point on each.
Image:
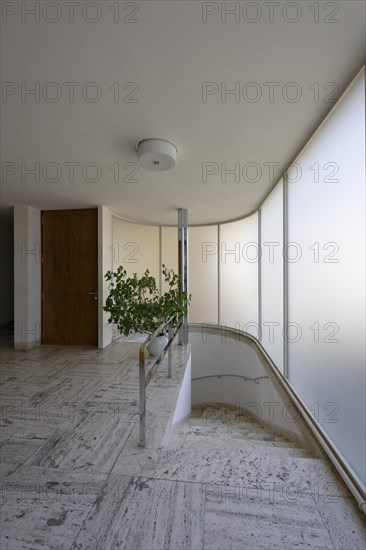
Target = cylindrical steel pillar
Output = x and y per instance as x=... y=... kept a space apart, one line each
x=183 y=267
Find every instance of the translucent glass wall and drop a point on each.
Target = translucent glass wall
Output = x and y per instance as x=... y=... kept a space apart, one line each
x=239 y=254
x=326 y=277
x=224 y=269
x=203 y=274
x=314 y=264
x=271 y=266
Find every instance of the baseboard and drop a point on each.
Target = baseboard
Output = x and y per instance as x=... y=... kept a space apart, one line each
x=26 y=346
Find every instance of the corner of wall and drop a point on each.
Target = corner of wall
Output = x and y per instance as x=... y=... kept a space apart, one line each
x=27 y=277
x=105 y=263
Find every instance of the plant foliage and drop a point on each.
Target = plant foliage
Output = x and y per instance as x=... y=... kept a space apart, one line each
x=135 y=305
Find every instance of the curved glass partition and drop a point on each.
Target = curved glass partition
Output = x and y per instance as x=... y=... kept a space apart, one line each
x=296 y=268
x=271 y=271
x=239 y=255
x=203 y=274
x=326 y=277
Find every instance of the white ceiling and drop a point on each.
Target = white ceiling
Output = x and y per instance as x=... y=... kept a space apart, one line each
x=169 y=53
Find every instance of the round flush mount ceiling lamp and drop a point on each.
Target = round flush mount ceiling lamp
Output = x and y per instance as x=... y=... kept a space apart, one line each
x=157 y=155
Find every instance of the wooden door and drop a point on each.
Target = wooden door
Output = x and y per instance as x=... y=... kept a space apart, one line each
x=70 y=277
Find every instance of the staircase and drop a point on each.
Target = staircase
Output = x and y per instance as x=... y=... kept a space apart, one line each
x=220 y=444
x=224 y=422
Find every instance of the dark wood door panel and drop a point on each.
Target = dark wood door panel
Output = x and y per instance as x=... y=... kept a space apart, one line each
x=69 y=277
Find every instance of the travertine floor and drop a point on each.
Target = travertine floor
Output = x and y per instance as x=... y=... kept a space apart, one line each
x=73 y=476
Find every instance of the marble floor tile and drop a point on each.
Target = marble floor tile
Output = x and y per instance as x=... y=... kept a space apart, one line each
x=116 y=391
x=19 y=390
x=30 y=365
x=73 y=475
x=211 y=461
x=345 y=522
x=7 y=468
x=76 y=370
x=93 y=444
x=37 y=522
x=146 y=514
x=17 y=452
x=44 y=508
x=34 y=427
x=267 y=521
x=45 y=400
x=13 y=371
x=138 y=461
x=64 y=390
x=54 y=484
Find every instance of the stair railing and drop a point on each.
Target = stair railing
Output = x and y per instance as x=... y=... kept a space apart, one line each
x=145 y=378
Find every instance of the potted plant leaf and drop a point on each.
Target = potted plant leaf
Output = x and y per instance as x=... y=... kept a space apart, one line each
x=135 y=304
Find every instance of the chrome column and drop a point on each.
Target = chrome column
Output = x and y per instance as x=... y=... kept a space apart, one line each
x=285 y=276
x=183 y=267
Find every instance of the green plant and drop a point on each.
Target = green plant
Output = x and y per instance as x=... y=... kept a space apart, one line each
x=135 y=305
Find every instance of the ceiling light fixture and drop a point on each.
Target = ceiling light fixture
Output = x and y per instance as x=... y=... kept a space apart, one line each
x=157 y=155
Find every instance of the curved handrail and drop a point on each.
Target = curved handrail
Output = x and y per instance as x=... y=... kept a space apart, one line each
x=245 y=378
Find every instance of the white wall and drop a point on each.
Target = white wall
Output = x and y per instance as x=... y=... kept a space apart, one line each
x=184 y=400
x=136 y=247
x=27 y=277
x=6 y=273
x=169 y=251
x=215 y=354
x=105 y=263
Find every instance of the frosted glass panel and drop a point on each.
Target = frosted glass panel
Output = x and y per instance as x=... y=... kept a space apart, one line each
x=272 y=275
x=239 y=274
x=136 y=247
x=326 y=278
x=203 y=274
x=169 y=250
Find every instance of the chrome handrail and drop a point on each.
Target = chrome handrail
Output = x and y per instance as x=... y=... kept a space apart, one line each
x=245 y=378
x=144 y=380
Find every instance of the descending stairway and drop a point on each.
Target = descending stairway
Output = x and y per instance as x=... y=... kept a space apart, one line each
x=227 y=422
x=220 y=444
x=224 y=423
